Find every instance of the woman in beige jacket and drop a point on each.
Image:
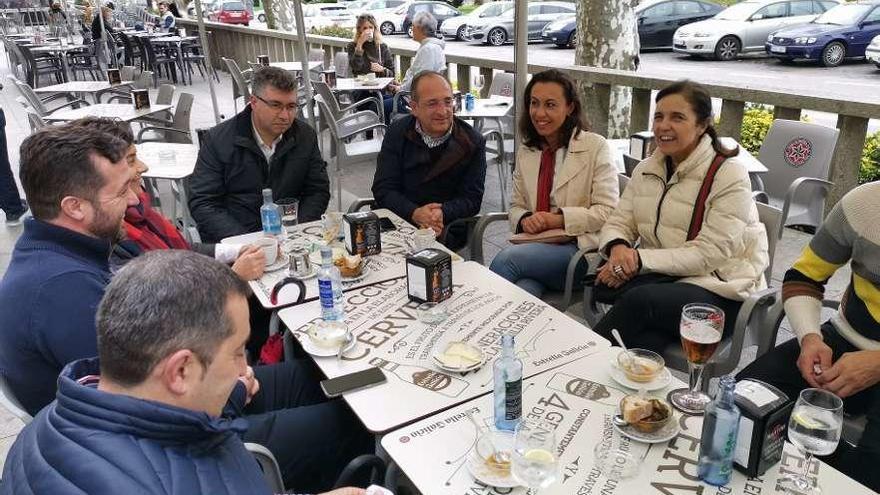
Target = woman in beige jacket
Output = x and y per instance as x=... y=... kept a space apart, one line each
x=564 y=179
x=680 y=260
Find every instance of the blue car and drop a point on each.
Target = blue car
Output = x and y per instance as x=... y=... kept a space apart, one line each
x=842 y=32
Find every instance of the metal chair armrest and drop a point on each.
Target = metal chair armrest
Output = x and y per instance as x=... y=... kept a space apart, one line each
x=69 y=104
x=374 y=117
x=573 y=263
x=480 y=232
x=359 y=203
x=374 y=463
x=269 y=466
x=761 y=197
x=369 y=99
x=378 y=125
x=141 y=139
x=825 y=187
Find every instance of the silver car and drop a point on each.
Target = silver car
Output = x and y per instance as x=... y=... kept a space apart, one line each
x=872 y=53
x=497 y=31
x=456 y=27
x=743 y=27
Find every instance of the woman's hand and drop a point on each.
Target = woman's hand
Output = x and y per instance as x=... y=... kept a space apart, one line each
x=251 y=263
x=363 y=38
x=541 y=220
x=376 y=67
x=622 y=266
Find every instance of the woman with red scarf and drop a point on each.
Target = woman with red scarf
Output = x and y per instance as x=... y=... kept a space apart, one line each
x=564 y=187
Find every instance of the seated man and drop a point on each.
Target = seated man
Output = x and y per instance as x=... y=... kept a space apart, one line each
x=144 y=417
x=842 y=355
x=432 y=167
x=264 y=146
x=167 y=23
x=429 y=56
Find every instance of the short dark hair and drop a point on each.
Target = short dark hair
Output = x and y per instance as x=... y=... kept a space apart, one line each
x=574 y=122
x=272 y=76
x=161 y=302
x=58 y=161
x=414 y=85
x=700 y=101
x=113 y=127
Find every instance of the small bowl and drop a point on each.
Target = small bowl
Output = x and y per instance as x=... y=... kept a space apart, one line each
x=655 y=421
x=328 y=334
x=647 y=365
x=432 y=313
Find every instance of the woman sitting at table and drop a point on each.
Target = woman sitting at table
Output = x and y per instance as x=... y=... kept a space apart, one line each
x=367 y=54
x=689 y=207
x=564 y=184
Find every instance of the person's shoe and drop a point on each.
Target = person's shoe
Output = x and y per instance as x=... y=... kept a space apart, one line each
x=15 y=219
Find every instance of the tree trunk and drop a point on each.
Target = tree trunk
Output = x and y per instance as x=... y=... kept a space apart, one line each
x=268 y=9
x=607 y=37
x=282 y=14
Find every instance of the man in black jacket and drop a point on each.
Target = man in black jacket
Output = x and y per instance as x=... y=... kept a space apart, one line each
x=432 y=167
x=264 y=146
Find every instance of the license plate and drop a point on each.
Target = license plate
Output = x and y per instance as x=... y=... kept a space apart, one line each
x=777 y=49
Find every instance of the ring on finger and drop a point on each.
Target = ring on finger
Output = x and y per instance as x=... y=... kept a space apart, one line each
x=618 y=270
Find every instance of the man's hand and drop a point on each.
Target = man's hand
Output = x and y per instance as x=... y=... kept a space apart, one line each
x=251 y=263
x=392 y=87
x=375 y=67
x=429 y=216
x=251 y=384
x=814 y=352
x=349 y=490
x=852 y=373
x=541 y=220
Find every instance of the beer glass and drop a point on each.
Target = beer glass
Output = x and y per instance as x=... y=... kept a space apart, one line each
x=702 y=326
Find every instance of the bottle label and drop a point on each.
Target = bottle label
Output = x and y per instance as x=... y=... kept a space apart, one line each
x=513 y=399
x=325 y=292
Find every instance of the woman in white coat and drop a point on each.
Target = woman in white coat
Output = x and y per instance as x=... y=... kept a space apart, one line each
x=564 y=182
x=686 y=253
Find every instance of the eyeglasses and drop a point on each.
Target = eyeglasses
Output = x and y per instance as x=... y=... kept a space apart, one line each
x=437 y=104
x=277 y=106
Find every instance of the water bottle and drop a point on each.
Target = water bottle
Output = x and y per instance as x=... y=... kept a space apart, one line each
x=508 y=386
x=720 y=427
x=330 y=288
x=270 y=214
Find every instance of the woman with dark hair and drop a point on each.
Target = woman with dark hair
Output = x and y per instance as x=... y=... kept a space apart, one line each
x=564 y=187
x=690 y=208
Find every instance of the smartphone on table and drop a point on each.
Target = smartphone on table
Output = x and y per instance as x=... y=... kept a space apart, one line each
x=334 y=387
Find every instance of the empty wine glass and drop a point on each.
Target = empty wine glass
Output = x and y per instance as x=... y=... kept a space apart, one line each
x=702 y=326
x=479 y=82
x=814 y=428
x=534 y=454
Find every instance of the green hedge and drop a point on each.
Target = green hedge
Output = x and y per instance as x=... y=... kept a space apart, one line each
x=758 y=118
x=335 y=31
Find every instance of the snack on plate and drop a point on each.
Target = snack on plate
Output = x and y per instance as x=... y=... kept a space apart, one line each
x=636 y=408
x=643 y=413
x=460 y=355
x=349 y=266
x=499 y=462
x=328 y=334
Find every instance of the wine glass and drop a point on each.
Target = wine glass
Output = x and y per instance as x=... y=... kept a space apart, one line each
x=814 y=428
x=479 y=82
x=702 y=326
x=534 y=454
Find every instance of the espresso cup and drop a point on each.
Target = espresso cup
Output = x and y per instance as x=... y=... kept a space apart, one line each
x=269 y=247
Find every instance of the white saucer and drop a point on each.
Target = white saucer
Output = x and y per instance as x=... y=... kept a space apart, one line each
x=476 y=465
x=668 y=432
x=281 y=262
x=316 y=350
x=464 y=369
x=311 y=274
x=364 y=272
x=662 y=381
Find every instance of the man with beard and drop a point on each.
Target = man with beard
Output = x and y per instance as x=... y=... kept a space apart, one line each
x=78 y=187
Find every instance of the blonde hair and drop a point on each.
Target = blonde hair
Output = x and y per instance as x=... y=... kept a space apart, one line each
x=363 y=19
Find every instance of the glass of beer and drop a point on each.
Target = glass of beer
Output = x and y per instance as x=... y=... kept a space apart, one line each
x=702 y=326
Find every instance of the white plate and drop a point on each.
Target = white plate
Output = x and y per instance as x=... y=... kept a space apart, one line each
x=662 y=381
x=282 y=262
x=364 y=272
x=315 y=350
x=309 y=275
x=668 y=432
x=465 y=369
x=476 y=465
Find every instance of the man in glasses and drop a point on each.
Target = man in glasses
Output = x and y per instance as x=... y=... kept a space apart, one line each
x=432 y=167
x=265 y=145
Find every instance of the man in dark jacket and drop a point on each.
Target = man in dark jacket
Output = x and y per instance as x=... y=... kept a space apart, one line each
x=432 y=167
x=264 y=146
x=145 y=417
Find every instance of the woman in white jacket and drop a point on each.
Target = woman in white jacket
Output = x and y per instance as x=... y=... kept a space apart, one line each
x=682 y=256
x=564 y=179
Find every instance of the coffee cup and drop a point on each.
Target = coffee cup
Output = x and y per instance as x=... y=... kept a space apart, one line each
x=269 y=247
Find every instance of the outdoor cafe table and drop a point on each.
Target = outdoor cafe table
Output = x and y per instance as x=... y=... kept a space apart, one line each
x=389 y=334
x=295 y=67
x=122 y=111
x=355 y=84
x=82 y=88
x=493 y=107
x=580 y=399
x=175 y=167
x=176 y=43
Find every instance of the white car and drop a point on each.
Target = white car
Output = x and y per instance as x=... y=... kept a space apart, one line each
x=743 y=27
x=319 y=15
x=872 y=53
x=391 y=22
x=374 y=6
x=456 y=27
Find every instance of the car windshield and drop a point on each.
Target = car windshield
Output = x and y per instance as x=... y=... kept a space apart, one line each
x=738 y=12
x=844 y=15
x=491 y=9
x=233 y=6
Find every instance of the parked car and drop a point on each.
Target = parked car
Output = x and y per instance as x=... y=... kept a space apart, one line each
x=657 y=20
x=207 y=7
x=400 y=20
x=743 y=27
x=456 y=27
x=872 y=53
x=374 y=6
x=497 y=31
x=233 y=12
x=320 y=15
x=843 y=32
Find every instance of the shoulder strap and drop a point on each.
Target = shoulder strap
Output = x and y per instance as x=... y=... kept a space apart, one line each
x=700 y=204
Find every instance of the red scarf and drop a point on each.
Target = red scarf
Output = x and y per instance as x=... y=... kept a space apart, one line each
x=149 y=229
x=545 y=178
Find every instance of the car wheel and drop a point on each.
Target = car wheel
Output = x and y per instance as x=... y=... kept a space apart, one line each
x=409 y=31
x=833 y=54
x=573 y=39
x=261 y=17
x=387 y=28
x=877 y=64
x=460 y=33
x=497 y=36
x=727 y=48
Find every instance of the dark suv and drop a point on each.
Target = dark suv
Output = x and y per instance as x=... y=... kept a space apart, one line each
x=440 y=10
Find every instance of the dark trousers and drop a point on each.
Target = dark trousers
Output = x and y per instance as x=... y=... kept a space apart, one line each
x=10 y=200
x=312 y=438
x=259 y=319
x=647 y=313
x=779 y=368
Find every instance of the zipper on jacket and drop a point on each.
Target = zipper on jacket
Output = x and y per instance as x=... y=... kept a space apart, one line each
x=659 y=203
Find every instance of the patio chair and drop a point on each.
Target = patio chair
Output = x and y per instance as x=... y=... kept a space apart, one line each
x=85 y=61
x=38 y=104
x=47 y=65
x=348 y=118
x=193 y=54
x=240 y=82
x=798 y=158
x=177 y=129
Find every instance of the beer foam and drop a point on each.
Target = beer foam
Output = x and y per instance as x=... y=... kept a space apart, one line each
x=700 y=333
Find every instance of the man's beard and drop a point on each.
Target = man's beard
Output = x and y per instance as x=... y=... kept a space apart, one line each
x=104 y=227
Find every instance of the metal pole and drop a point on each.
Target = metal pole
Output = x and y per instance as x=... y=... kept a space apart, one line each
x=304 y=59
x=520 y=58
x=204 y=38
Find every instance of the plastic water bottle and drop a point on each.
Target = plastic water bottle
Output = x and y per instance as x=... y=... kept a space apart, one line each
x=508 y=386
x=720 y=427
x=270 y=214
x=330 y=288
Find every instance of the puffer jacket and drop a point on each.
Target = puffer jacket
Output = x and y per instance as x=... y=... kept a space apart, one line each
x=585 y=189
x=729 y=255
x=89 y=441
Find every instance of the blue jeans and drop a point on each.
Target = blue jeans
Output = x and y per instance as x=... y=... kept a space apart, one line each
x=10 y=200
x=537 y=267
